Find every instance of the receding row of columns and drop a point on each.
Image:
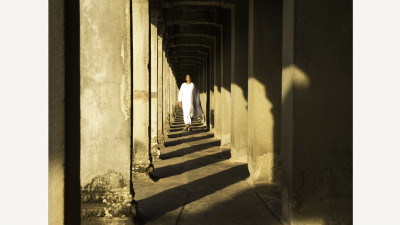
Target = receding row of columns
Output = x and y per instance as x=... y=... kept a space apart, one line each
x=254 y=88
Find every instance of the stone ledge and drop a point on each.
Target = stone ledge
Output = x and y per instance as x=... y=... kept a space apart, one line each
x=107 y=211
x=107 y=220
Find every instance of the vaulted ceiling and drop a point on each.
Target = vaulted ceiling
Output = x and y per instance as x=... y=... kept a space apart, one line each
x=189 y=30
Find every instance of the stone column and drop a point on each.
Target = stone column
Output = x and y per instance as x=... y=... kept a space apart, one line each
x=175 y=95
x=209 y=94
x=172 y=89
x=204 y=104
x=239 y=82
x=57 y=115
x=212 y=86
x=166 y=100
x=160 y=138
x=317 y=112
x=165 y=96
x=172 y=96
x=264 y=89
x=226 y=81
x=169 y=95
x=105 y=96
x=217 y=84
x=200 y=84
x=155 y=152
x=140 y=74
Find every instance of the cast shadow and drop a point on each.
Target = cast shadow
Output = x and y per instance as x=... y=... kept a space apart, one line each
x=194 y=131
x=176 y=169
x=186 y=140
x=157 y=205
x=190 y=150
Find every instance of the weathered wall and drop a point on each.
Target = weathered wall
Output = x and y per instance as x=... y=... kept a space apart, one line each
x=212 y=84
x=105 y=88
x=239 y=83
x=264 y=89
x=165 y=96
x=160 y=139
x=140 y=85
x=154 y=90
x=226 y=80
x=217 y=84
x=56 y=112
x=317 y=112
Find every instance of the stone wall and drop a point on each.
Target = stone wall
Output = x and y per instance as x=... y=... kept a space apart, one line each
x=56 y=112
x=317 y=112
x=105 y=88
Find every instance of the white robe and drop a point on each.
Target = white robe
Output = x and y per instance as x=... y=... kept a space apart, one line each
x=190 y=98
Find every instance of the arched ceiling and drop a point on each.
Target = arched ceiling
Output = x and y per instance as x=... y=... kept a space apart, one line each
x=189 y=30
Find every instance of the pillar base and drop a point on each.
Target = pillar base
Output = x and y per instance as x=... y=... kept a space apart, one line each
x=111 y=220
x=226 y=146
x=142 y=168
x=160 y=142
x=107 y=196
x=154 y=150
x=146 y=175
x=155 y=153
x=238 y=155
x=110 y=208
x=166 y=134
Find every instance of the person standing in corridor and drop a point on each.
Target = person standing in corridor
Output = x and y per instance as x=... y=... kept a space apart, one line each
x=189 y=101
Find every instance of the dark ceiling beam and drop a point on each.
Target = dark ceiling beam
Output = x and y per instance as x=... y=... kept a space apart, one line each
x=189 y=43
x=191 y=35
x=188 y=46
x=173 y=48
x=189 y=56
x=222 y=4
x=185 y=60
x=193 y=22
x=181 y=29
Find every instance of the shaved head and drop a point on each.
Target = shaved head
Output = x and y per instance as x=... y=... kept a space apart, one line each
x=188 y=78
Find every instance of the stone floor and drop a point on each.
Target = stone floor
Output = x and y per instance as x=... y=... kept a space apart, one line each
x=194 y=182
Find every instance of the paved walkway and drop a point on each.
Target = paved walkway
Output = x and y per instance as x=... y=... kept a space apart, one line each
x=196 y=183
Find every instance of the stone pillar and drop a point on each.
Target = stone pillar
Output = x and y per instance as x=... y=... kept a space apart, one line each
x=172 y=95
x=212 y=86
x=317 y=112
x=239 y=82
x=209 y=86
x=140 y=74
x=105 y=96
x=170 y=80
x=204 y=105
x=166 y=100
x=217 y=84
x=172 y=88
x=226 y=81
x=155 y=152
x=264 y=89
x=57 y=115
x=160 y=138
x=175 y=96
x=165 y=96
x=201 y=85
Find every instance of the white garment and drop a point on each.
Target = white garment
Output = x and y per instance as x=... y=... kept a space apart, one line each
x=190 y=98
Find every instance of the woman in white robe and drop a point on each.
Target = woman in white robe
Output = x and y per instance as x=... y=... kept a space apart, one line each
x=189 y=101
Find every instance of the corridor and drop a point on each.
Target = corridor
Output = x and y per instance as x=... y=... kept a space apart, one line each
x=273 y=145
x=195 y=183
